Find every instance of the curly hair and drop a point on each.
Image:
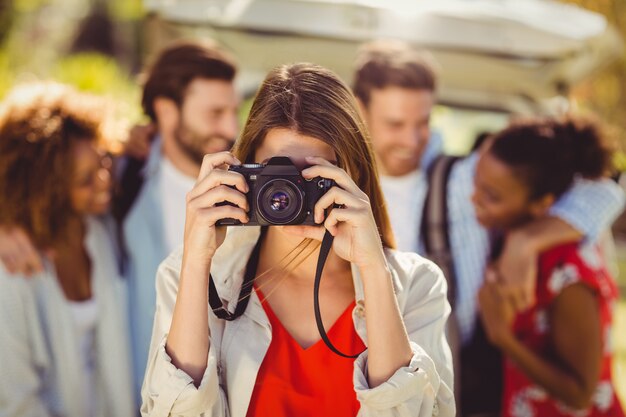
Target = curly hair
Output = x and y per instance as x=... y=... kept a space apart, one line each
x=39 y=124
x=548 y=153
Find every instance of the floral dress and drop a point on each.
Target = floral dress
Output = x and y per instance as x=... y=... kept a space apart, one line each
x=558 y=268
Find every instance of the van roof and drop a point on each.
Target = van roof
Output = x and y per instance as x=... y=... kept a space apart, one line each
x=508 y=55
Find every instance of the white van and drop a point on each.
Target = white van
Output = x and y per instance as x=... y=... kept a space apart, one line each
x=497 y=57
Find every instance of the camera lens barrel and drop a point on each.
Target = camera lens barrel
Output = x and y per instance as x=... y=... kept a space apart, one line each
x=280 y=201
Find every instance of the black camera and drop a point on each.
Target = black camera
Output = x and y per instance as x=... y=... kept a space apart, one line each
x=279 y=195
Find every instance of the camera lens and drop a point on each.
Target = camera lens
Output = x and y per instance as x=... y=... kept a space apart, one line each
x=280 y=201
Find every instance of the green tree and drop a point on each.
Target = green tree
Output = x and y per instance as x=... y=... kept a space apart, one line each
x=605 y=93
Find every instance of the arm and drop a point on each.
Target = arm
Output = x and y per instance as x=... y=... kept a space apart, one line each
x=425 y=385
x=590 y=207
x=388 y=341
x=187 y=342
x=587 y=209
x=20 y=367
x=168 y=390
x=140 y=137
x=182 y=374
x=576 y=339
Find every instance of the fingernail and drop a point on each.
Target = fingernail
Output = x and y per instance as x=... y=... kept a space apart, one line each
x=309 y=157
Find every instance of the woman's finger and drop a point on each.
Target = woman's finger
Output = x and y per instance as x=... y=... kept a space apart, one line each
x=335 y=196
x=219 y=194
x=348 y=215
x=216 y=160
x=218 y=177
x=214 y=214
x=327 y=170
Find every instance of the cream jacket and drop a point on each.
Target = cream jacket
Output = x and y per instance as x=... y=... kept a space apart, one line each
x=40 y=374
x=237 y=348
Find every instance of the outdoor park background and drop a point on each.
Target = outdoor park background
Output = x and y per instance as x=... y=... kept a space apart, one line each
x=55 y=39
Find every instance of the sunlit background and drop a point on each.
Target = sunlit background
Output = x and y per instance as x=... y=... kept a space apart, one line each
x=497 y=57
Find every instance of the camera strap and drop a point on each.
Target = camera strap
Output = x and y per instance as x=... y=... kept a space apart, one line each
x=222 y=312
x=244 y=295
x=327 y=243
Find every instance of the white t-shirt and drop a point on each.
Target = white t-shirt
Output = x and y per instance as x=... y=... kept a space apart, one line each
x=402 y=195
x=85 y=318
x=174 y=186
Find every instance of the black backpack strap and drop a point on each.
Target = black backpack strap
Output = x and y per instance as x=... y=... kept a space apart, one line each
x=434 y=229
x=128 y=186
x=434 y=232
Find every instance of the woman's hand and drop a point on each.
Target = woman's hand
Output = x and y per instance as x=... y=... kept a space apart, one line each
x=18 y=253
x=214 y=185
x=139 y=140
x=496 y=311
x=357 y=239
x=518 y=269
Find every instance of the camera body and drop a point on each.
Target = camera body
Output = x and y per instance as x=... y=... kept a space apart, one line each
x=279 y=195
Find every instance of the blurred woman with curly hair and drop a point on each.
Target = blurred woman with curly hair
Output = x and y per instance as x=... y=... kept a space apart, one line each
x=63 y=339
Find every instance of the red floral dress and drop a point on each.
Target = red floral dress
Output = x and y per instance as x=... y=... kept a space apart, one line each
x=559 y=267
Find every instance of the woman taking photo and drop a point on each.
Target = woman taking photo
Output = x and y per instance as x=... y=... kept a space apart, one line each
x=268 y=359
x=558 y=352
x=63 y=337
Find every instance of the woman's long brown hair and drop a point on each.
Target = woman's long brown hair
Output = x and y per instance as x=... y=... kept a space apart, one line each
x=312 y=101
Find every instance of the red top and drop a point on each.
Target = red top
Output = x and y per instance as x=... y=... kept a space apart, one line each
x=559 y=267
x=293 y=381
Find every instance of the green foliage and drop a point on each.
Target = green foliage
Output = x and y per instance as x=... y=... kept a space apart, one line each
x=90 y=72
x=40 y=36
x=6 y=18
x=126 y=9
x=605 y=93
x=25 y=6
x=7 y=76
x=620 y=161
x=101 y=75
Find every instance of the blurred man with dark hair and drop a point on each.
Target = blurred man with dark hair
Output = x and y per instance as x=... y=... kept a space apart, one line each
x=189 y=95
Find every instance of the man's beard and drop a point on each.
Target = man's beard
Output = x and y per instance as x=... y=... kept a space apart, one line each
x=196 y=146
